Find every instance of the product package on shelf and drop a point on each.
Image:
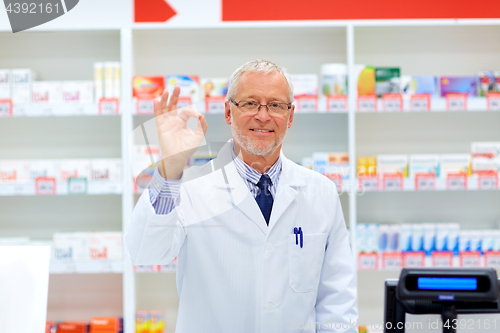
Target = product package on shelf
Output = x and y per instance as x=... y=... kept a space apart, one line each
x=157 y=321
x=485 y=82
x=98 y=81
x=72 y=327
x=14 y=171
x=77 y=168
x=148 y=87
x=496 y=74
x=213 y=87
x=392 y=165
x=70 y=247
x=43 y=169
x=483 y=165
x=142 y=322
x=366 y=80
x=5 y=84
x=485 y=149
x=367 y=166
x=106 y=325
x=106 y=170
x=333 y=80
x=332 y=165
x=456 y=164
x=105 y=246
x=47 y=92
x=21 y=84
x=305 y=90
x=424 y=85
x=111 y=79
x=423 y=164
x=189 y=84
x=78 y=91
x=387 y=80
x=458 y=84
x=144 y=159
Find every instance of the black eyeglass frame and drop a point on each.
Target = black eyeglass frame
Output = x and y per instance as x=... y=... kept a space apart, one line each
x=289 y=105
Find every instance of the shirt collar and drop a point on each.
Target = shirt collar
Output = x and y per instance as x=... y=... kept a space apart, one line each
x=252 y=175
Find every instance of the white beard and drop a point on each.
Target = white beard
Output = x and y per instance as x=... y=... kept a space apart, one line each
x=248 y=145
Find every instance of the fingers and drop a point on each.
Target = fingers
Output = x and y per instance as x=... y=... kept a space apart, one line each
x=174 y=99
x=202 y=126
x=187 y=113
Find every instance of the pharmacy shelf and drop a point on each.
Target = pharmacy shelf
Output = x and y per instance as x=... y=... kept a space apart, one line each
x=59 y=109
x=62 y=188
x=86 y=267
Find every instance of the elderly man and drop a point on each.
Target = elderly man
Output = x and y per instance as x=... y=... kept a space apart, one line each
x=261 y=242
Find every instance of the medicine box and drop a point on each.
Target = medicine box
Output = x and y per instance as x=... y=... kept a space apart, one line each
x=78 y=91
x=73 y=169
x=333 y=80
x=485 y=149
x=47 y=92
x=43 y=168
x=366 y=80
x=485 y=82
x=387 y=80
x=423 y=164
x=70 y=246
x=106 y=170
x=213 y=87
x=21 y=81
x=12 y=171
x=485 y=165
x=458 y=84
x=304 y=85
x=105 y=246
x=157 y=321
x=424 y=85
x=392 y=164
x=454 y=164
x=5 y=91
x=148 y=87
x=189 y=84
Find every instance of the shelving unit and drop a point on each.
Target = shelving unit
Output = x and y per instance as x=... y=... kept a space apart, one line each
x=437 y=47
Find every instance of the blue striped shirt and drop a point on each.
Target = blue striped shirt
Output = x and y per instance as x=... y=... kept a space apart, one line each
x=164 y=193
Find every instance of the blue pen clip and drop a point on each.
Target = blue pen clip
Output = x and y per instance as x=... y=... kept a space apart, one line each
x=297 y=232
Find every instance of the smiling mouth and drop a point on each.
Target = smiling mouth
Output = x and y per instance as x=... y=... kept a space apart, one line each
x=261 y=130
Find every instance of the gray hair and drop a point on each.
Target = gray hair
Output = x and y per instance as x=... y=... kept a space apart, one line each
x=258 y=66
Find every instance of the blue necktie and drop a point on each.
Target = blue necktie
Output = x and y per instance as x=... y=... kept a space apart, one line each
x=264 y=198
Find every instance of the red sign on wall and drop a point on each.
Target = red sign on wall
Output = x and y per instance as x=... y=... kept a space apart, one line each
x=278 y=10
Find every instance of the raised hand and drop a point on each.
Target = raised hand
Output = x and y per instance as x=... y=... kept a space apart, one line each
x=177 y=141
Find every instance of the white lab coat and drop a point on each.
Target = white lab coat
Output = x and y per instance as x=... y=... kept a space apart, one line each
x=237 y=275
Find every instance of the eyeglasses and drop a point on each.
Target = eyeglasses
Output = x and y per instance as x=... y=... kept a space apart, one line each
x=254 y=107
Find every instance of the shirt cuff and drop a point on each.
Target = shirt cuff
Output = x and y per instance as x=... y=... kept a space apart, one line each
x=163 y=193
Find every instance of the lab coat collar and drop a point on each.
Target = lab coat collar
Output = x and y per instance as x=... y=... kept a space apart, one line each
x=287 y=190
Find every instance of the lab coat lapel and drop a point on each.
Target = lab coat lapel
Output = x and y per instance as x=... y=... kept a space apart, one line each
x=241 y=196
x=286 y=191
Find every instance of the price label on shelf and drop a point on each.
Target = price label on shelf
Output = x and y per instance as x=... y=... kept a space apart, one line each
x=414 y=259
x=392 y=182
x=456 y=182
x=494 y=101
x=470 y=259
x=184 y=102
x=392 y=260
x=420 y=102
x=368 y=183
x=47 y=110
x=492 y=259
x=337 y=103
x=69 y=267
x=442 y=259
x=109 y=106
x=488 y=181
x=367 y=103
x=5 y=108
x=456 y=102
x=145 y=106
x=367 y=261
x=425 y=182
x=392 y=102
x=77 y=185
x=79 y=110
x=306 y=104
x=45 y=186
x=215 y=104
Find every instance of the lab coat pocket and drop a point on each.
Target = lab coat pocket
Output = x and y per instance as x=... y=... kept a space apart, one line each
x=304 y=264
